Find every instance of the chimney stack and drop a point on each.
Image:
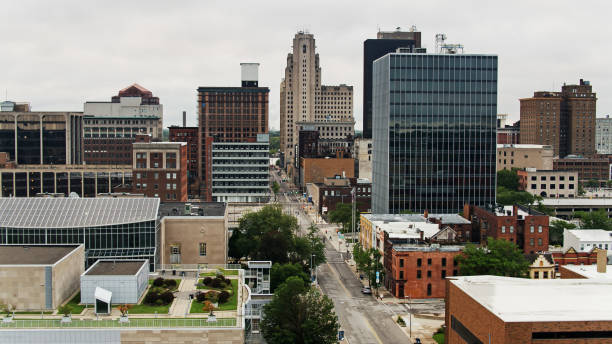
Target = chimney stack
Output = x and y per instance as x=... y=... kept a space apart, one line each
x=602 y=261
x=184 y=119
x=249 y=74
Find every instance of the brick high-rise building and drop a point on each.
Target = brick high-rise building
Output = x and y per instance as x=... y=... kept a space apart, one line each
x=304 y=102
x=190 y=136
x=160 y=170
x=565 y=120
x=231 y=114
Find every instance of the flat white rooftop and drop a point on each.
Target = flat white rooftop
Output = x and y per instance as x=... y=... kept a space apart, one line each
x=579 y=202
x=527 y=300
x=590 y=271
x=523 y=146
x=598 y=235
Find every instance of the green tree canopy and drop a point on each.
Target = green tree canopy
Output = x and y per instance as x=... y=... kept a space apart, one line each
x=299 y=314
x=594 y=219
x=555 y=231
x=343 y=215
x=592 y=183
x=510 y=197
x=368 y=262
x=275 y=189
x=508 y=179
x=281 y=272
x=499 y=258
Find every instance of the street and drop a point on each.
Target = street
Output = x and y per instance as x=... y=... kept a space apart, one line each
x=362 y=318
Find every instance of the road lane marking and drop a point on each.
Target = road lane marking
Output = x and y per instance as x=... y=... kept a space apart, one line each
x=349 y=294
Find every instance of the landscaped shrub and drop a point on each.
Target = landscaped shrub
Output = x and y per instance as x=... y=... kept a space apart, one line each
x=401 y=322
x=200 y=296
x=212 y=296
x=228 y=281
x=170 y=283
x=159 y=302
x=224 y=296
x=151 y=297
x=217 y=283
x=167 y=297
x=208 y=306
x=207 y=281
x=158 y=282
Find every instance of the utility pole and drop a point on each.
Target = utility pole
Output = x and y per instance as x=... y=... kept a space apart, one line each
x=353 y=215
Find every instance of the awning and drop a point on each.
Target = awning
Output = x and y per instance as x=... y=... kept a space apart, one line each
x=103 y=295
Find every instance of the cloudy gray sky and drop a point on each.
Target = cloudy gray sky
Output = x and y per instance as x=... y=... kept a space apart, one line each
x=58 y=54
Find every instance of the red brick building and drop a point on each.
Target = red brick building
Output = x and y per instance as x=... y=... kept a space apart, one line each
x=571 y=257
x=160 y=170
x=525 y=227
x=418 y=271
x=327 y=195
x=190 y=136
x=597 y=168
x=500 y=310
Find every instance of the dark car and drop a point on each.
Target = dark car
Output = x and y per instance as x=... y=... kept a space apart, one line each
x=366 y=290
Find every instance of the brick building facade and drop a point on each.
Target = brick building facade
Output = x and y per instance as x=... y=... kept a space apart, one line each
x=327 y=195
x=492 y=309
x=418 y=271
x=526 y=228
x=597 y=167
x=315 y=170
x=565 y=120
x=160 y=170
x=190 y=136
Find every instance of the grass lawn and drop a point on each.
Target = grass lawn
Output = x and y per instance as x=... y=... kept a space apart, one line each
x=230 y=305
x=439 y=338
x=35 y=313
x=223 y=271
x=75 y=308
x=146 y=309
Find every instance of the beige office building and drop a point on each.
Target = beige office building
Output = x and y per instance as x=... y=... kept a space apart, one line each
x=363 y=154
x=547 y=183
x=522 y=156
x=193 y=233
x=305 y=102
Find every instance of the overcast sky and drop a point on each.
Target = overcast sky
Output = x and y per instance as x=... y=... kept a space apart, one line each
x=59 y=54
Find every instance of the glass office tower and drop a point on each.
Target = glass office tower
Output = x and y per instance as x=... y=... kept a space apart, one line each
x=434 y=133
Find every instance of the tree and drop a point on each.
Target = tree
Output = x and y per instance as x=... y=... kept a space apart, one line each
x=592 y=183
x=275 y=189
x=594 y=219
x=264 y=235
x=555 y=231
x=368 y=262
x=299 y=314
x=342 y=215
x=499 y=258
x=510 y=197
x=508 y=179
x=281 y=272
x=580 y=191
x=609 y=183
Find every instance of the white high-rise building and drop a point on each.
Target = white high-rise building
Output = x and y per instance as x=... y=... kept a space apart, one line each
x=306 y=103
x=603 y=135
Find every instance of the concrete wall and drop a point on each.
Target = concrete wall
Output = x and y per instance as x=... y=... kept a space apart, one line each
x=125 y=289
x=23 y=286
x=188 y=232
x=66 y=275
x=511 y=156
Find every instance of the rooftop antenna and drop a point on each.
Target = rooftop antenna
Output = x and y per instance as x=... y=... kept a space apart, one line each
x=440 y=38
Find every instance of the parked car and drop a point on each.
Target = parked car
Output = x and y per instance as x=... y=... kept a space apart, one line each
x=366 y=290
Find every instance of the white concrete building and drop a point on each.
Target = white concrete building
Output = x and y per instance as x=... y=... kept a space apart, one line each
x=363 y=154
x=603 y=135
x=550 y=183
x=584 y=240
x=127 y=280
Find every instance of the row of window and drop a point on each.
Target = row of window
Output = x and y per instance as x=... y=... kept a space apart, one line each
x=552 y=186
x=552 y=178
x=429 y=262
x=419 y=275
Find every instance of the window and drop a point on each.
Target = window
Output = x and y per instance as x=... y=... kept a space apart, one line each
x=401 y=275
x=443 y=261
x=571 y=178
x=138 y=177
x=428 y=273
x=511 y=229
x=539 y=229
x=168 y=187
x=167 y=175
x=202 y=249
x=173 y=175
x=539 y=241
x=454 y=272
x=155 y=175
x=536 y=274
x=155 y=164
x=428 y=261
x=175 y=249
x=419 y=261
x=429 y=289
x=542 y=177
x=443 y=274
x=503 y=229
x=561 y=177
x=533 y=186
x=418 y=274
x=455 y=261
x=401 y=262
x=531 y=229
x=542 y=186
x=571 y=186
x=545 y=274
x=531 y=242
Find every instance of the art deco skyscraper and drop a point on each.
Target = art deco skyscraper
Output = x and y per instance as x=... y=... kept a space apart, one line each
x=304 y=102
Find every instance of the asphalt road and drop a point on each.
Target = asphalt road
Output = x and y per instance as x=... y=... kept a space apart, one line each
x=363 y=319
